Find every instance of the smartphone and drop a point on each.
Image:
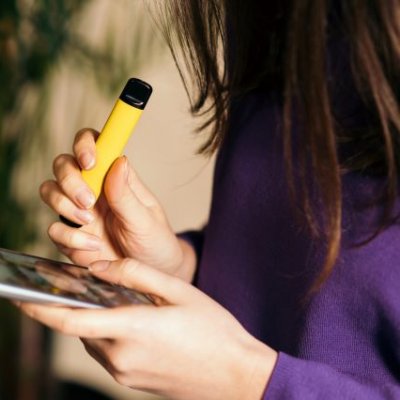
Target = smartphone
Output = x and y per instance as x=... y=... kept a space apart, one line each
x=34 y=279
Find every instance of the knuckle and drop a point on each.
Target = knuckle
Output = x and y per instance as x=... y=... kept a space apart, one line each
x=29 y=311
x=61 y=236
x=64 y=181
x=69 y=238
x=119 y=361
x=60 y=161
x=81 y=133
x=127 y=269
x=52 y=232
x=85 y=134
x=122 y=379
x=66 y=325
x=58 y=201
x=45 y=188
x=64 y=250
x=69 y=325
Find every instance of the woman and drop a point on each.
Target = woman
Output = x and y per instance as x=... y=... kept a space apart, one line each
x=295 y=278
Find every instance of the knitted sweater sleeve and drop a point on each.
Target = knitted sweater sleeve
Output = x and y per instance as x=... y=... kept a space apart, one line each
x=299 y=378
x=196 y=239
x=295 y=379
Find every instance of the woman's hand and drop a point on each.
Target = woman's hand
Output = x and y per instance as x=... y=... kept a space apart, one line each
x=188 y=347
x=127 y=220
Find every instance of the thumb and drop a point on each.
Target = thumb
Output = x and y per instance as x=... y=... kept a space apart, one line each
x=126 y=195
x=133 y=274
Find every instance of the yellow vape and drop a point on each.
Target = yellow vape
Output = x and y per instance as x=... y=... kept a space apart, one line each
x=115 y=133
x=117 y=130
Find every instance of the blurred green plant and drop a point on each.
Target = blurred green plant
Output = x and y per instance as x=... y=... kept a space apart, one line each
x=24 y=60
x=26 y=57
x=34 y=36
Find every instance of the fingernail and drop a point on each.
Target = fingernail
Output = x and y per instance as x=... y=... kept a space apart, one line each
x=85 y=216
x=86 y=160
x=93 y=243
x=86 y=198
x=99 y=266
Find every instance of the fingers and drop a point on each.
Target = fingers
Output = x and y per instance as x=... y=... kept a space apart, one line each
x=123 y=180
x=55 y=198
x=129 y=199
x=84 y=147
x=94 y=324
x=70 y=238
x=69 y=195
x=135 y=184
x=69 y=178
x=135 y=275
x=121 y=199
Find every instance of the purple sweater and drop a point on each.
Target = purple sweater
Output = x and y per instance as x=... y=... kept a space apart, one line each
x=257 y=261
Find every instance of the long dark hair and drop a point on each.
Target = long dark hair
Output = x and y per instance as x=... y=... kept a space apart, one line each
x=283 y=45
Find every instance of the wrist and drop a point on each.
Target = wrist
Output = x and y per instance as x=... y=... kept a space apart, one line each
x=186 y=266
x=259 y=361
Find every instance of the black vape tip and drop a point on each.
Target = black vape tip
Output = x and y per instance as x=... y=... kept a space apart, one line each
x=136 y=93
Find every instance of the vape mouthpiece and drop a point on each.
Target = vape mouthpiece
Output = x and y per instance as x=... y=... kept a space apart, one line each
x=136 y=93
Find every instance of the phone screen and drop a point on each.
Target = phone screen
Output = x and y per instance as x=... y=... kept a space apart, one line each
x=35 y=279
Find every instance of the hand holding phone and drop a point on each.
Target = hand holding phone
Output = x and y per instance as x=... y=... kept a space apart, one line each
x=39 y=280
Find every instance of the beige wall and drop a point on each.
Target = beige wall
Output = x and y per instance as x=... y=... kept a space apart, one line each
x=162 y=150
